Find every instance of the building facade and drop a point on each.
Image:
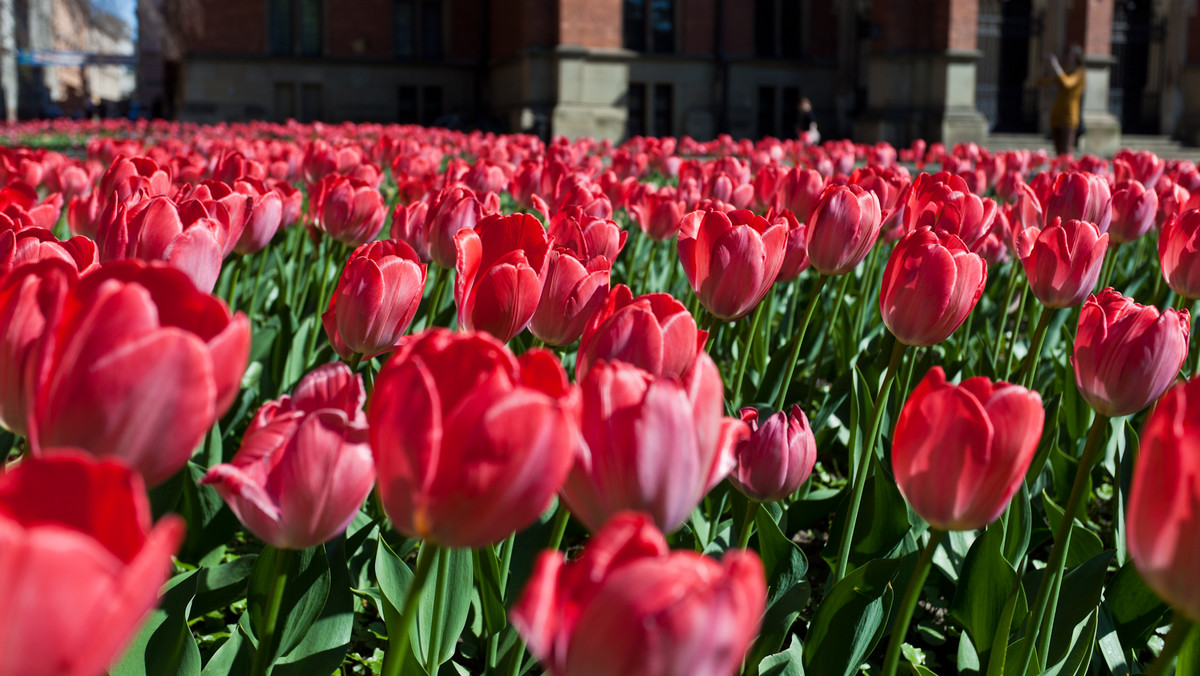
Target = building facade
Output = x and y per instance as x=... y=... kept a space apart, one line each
x=951 y=70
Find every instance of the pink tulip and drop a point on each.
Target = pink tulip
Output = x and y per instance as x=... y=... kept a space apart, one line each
x=375 y=300
x=843 y=227
x=775 y=459
x=654 y=332
x=501 y=268
x=930 y=285
x=730 y=260
x=1133 y=212
x=304 y=467
x=1063 y=261
x=1178 y=253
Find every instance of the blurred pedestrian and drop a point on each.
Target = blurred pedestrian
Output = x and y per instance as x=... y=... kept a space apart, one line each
x=806 y=124
x=1070 y=77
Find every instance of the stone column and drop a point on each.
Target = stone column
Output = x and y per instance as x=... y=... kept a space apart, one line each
x=921 y=73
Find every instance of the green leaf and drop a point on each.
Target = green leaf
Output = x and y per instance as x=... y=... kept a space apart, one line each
x=787 y=663
x=883 y=520
x=395 y=579
x=1085 y=544
x=851 y=619
x=1077 y=611
x=297 y=361
x=165 y=645
x=324 y=647
x=456 y=605
x=1018 y=526
x=1135 y=609
x=304 y=596
x=219 y=586
x=491 y=598
x=1082 y=641
x=983 y=588
x=787 y=587
x=235 y=656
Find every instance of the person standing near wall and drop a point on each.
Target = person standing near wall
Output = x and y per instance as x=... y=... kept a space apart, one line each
x=1065 y=113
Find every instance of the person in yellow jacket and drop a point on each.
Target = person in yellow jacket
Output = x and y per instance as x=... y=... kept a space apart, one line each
x=1070 y=77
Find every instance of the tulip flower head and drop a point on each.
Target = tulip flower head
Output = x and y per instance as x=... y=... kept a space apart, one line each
x=930 y=285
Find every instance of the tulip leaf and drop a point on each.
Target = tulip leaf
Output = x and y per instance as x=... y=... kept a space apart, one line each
x=1018 y=526
x=304 y=596
x=395 y=579
x=1084 y=543
x=787 y=587
x=296 y=364
x=1077 y=608
x=324 y=647
x=451 y=614
x=165 y=645
x=851 y=619
x=1135 y=609
x=787 y=663
x=210 y=523
x=883 y=520
x=1082 y=642
x=221 y=585
x=491 y=596
x=984 y=587
x=235 y=656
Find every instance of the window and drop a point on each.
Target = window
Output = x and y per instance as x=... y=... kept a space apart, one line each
x=779 y=29
x=650 y=117
x=417 y=29
x=635 y=101
x=649 y=25
x=296 y=27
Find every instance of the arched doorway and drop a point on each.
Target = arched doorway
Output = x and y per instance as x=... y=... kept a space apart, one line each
x=1005 y=30
x=1134 y=94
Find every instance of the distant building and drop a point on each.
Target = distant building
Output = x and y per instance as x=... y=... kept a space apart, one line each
x=950 y=70
x=68 y=53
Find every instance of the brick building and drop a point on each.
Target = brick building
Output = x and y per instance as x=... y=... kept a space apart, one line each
x=875 y=69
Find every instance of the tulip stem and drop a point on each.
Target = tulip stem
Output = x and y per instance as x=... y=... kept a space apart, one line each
x=799 y=340
x=1009 y=290
x=631 y=266
x=439 y=600
x=646 y=269
x=823 y=340
x=233 y=283
x=1030 y=365
x=747 y=347
x=1181 y=629
x=1058 y=552
x=909 y=603
x=265 y=654
x=561 y=518
x=398 y=648
x=864 y=461
x=1012 y=343
x=435 y=300
x=354 y=360
x=1106 y=268
x=747 y=526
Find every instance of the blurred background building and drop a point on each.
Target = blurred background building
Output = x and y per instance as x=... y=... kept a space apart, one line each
x=895 y=70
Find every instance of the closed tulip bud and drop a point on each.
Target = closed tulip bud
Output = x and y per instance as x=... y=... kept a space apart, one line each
x=842 y=229
x=304 y=467
x=1063 y=261
x=651 y=444
x=960 y=452
x=1179 y=253
x=1164 y=501
x=375 y=299
x=18 y=247
x=185 y=236
x=1082 y=196
x=264 y=218
x=1134 y=209
x=501 y=267
x=776 y=459
x=657 y=214
x=456 y=208
x=1127 y=354
x=654 y=332
x=629 y=605
x=585 y=236
x=1172 y=199
x=350 y=211
x=31 y=300
x=946 y=203
x=730 y=260
x=408 y=226
x=930 y=285
x=82 y=565
x=799 y=191
x=139 y=367
x=470 y=443
x=573 y=291
x=795 y=249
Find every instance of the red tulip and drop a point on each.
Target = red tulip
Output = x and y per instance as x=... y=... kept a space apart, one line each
x=408 y=226
x=1178 y=245
x=629 y=605
x=1079 y=195
x=1133 y=212
x=264 y=218
x=31 y=299
x=654 y=332
x=776 y=459
x=18 y=247
x=139 y=367
x=799 y=191
x=1063 y=261
x=455 y=208
x=223 y=203
x=730 y=260
x=349 y=210
x=1127 y=354
x=945 y=203
x=960 y=452
x=795 y=249
x=1164 y=501
x=470 y=443
x=182 y=235
x=587 y=237
x=652 y=444
x=573 y=292
x=930 y=285
x=81 y=565
x=842 y=228
x=501 y=267
x=304 y=467
x=657 y=214
x=375 y=300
